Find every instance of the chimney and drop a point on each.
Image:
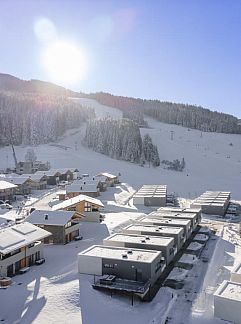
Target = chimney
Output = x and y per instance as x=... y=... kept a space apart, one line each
x=46 y=216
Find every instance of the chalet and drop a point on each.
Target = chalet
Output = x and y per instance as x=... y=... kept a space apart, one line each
x=66 y=174
x=75 y=189
x=52 y=176
x=20 y=246
x=7 y=190
x=59 y=223
x=38 y=181
x=86 y=207
x=108 y=178
x=22 y=183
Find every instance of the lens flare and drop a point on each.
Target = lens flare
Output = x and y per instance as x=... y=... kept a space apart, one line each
x=45 y=30
x=65 y=62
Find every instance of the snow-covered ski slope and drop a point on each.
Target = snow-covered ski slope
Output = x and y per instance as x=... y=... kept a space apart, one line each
x=211 y=162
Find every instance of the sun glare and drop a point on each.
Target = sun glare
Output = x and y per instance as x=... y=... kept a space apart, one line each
x=65 y=62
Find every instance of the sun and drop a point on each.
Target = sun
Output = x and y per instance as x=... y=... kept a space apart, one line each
x=65 y=62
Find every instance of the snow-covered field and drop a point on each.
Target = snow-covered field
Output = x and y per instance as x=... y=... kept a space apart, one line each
x=211 y=162
x=55 y=293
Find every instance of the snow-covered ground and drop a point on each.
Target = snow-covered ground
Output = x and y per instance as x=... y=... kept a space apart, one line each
x=55 y=293
x=211 y=163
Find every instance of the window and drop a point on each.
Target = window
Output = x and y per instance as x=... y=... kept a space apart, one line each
x=107 y=265
x=88 y=207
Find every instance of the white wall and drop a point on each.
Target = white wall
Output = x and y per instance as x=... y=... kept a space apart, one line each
x=89 y=264
x=227 y=309
x=138 y=200
x=236 y=277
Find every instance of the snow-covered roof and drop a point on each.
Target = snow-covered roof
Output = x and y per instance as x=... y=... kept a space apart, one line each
x=140 y=239
x=81 y=188
x=153 y=229
x=86 y=181
x=17 y=180
x=16 y=236
x=35 y=176
x=188 y=259
x=229 y=290
x=194 y=246
x=169 y=214
x=201 y=237
x=53 y=172
x=180 y=210
x=113 y=252
x=49 y=173
x=58 y=217
x=212 y=198
x=6 y=185
x=177 y=274
x=151 y=191
x=107 y=175
x=75 y=200
x=165 y=221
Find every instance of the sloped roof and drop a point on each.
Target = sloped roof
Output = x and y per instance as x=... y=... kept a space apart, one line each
x=75 y=200
x=58 y=217
x=16 y=236
x=6 y=185
x=35 y=176
x=81 y=188
x=107 y=175
x=17 y=180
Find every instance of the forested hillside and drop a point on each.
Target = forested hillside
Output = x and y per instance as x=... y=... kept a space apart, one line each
x=37 y=118
x=172 y=113
x=121 y=140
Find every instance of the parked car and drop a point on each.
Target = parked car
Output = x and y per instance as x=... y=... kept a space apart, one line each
x=40 y=261
x=6 y=206
x=7 y=202
x=24 y=270
x=78 y=238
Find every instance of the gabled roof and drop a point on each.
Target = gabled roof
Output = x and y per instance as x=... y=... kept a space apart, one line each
x=16 y=236
x=49 y=173
x=81 y=188
x=6 y=185
x=58 y=217
x=36 y=176
x=75 y=200
x=17 y=180
x=54 y=172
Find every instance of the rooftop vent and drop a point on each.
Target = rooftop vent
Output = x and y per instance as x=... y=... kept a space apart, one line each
x=143 y=241
x=124 y=256
x=147 y=238
x=129 y=251
x=160 y=227
x=157 y=230
x=46 y=216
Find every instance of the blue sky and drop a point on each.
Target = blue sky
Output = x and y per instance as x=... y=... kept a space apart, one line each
x=181 y=51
